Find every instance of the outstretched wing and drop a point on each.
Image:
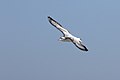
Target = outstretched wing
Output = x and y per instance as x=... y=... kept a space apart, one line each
x=77 y=44
x=80 y=46
x=58 y=26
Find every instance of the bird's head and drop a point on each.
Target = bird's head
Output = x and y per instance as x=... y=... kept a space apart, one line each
x=61 y=38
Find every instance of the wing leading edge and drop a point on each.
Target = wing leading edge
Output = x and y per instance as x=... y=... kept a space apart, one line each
x=58 y=26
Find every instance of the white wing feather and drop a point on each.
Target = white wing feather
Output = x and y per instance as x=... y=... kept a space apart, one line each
x=58 y=26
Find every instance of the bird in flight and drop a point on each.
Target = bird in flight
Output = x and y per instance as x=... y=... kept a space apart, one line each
x=67 y=36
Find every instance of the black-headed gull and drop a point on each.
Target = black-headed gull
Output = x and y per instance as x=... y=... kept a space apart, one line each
x=67 y=36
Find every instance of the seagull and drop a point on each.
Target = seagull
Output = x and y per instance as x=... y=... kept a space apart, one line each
x=67 y=36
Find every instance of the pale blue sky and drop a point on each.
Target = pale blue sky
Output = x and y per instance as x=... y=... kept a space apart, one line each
x=29 y=46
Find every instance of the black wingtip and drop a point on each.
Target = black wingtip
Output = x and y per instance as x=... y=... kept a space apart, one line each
x=49 y=18
x=85 y=48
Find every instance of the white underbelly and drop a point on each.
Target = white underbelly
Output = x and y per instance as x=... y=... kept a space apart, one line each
x=66 y=40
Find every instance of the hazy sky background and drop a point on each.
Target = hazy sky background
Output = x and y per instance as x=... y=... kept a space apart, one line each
x=29 y=46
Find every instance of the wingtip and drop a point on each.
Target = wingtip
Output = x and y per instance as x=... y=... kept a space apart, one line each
x=85 y=49
x=49 y=17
